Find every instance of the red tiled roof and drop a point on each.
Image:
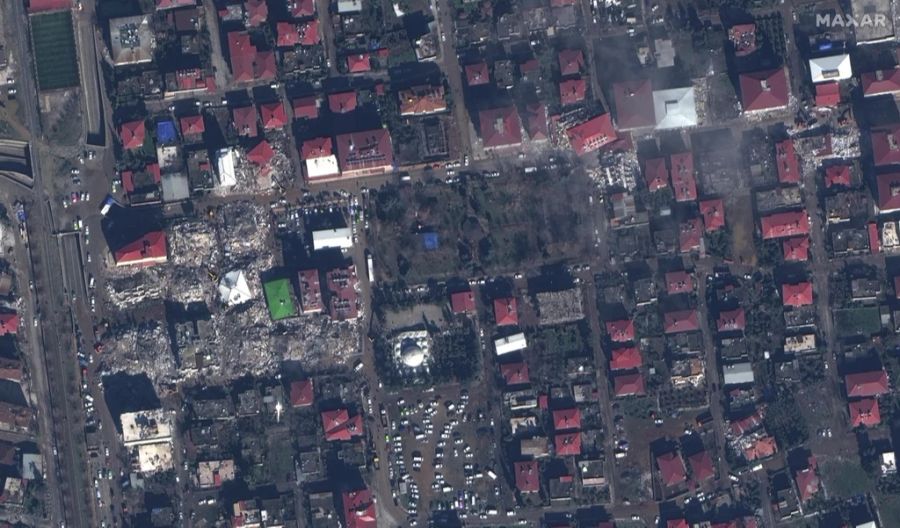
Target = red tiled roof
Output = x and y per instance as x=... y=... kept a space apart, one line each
x=866 y=384
x=571 y=61
x=514 y=373
x=462 y=302
x=9 y=323
x=886 y=145
x=572 y=91
x=681 y=321
x=701 y=466
x=365 y=152
x=309 y=33
x=302 y=393
x=828 y=94
x=787 y=224
x=305 y=107
x=192 y=79
x=359 y=63
x=679 y=282
x=566 y=419
x=690 y=234
x=786 y=161
x=634 y=104
x=248 y=63
x=625 y=358
x=677 y=523
x=477 y=74
x=591 y=135
x=620 y=331
x=629 y=385
x=302 y=8
x=874 y=242
x=500 y=127
x=342 y=102
x=731 y=320
x=359 y=509
x=132 y=134
x=796 y=249
x=671 y=469
x=273 y=115
x=837 y=175
x=191 y=125
x=683 y=181
x=656 y=173
x=713 y=212
x=800 y=294
x=288 y=34
x=535 y=121
x=743 y=36
x=864 y=412
x=338 y=425
x=881 y=82
x=147 y=250
x=257 y=12
x=763 y=447
x=764 y=90
x=888 y=191
x=807 y=482
x=315 y=148
x=505 y=312
x=567 y=444
x=422 y=100
x=261 y=154
x=529 y=66
x=528 y=478
x=39 y=6
x=245 y=121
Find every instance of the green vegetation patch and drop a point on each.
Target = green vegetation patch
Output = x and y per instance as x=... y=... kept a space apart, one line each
x=857 y=321
x=279 y=299
x=53 y=40
x=844 y=478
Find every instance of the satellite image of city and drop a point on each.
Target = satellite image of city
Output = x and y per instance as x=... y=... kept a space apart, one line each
x=449 y=263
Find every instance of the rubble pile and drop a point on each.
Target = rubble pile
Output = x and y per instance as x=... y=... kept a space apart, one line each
x=560 y=306
x=325 y=342
x=244 y=233
x=193 y=243
x=140 y=349
x=187 y=284
x=135 y=289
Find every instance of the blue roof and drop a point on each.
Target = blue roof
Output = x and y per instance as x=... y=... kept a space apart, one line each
x=430 y=241
x=165 y=132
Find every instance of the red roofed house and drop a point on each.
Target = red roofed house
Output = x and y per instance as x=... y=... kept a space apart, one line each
x=338 y=425
x=828 y=94
x=528 y=478
x=677 y=523
x=305 y=107
x=257 y=12
x=888 y=192
x=309 y=33
x=656 y=173
x=764 y=90
x=713 y=212
x=731 y=320
x=690 y=235
x=763 y=447
x=147 y=250
x=702 y=467
x=779 y=225
x=359 y=63
x=620 y=331
x=864 y=412
x=866 y=384
x=634 y=104
x=592 y=134
x=42 y=6
x=838 y=175
x=9 y=323
x=273 y=115
x=359 y=509
x=248 y=63
x=807 y=481
x=342 y=102
x=743 y=37
x=535 y=121
x=683 y=180
x=132 y=134
x=679 y=282
x=629 y=385
x=681 y=321
x=800 y=294
x=422 y=100
x=500 y=127
x=786 y=161
x=191 y=125
x=874 y=241
x=625 y=358
x=505 y=312
x=288 y=34
x=462 y=302
x=567 y=444
x=365 y=153
x=261 y=154
x=796 y=249
x=572 y=91
x=671 y=469
x=302 y=394
x=245 y=121
x=318 y=159
x=514 y=373
x=566 y=419
x=571 y=62
x=477 y=74
x=302 y=8
x=880 y=82
x=886 y=145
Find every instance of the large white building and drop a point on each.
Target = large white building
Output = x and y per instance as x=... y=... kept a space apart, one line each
x=412 y=350
x=341 y=238
x=675 y=108
x=149 y=434
x=833 y=68
x=510 y=344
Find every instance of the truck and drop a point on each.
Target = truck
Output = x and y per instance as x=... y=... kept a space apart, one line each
x=107 y=204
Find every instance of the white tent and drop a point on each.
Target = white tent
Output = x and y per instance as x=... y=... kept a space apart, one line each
x=225 y=167
x=233 y=288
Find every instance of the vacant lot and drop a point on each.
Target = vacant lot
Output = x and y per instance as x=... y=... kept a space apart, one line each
x=857 y=321
x=54 y=50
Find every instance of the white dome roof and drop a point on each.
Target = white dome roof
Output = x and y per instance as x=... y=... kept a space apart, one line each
x=412 y=356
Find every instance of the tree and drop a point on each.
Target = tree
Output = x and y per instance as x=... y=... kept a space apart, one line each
x=785 y=421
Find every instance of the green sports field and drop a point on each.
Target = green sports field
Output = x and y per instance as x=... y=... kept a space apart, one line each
x=53 y=40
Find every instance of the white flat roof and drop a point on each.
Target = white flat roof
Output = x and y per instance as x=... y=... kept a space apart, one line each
x=155 y=457
x=738 y=374
x=675 y=108
x=833 y=68
x=341 y=238
x=513 y=343
x=322 y=167
x=225 y=167
x=147 y=427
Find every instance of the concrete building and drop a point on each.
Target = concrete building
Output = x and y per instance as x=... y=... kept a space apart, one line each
x=340 y=238
x=131 y=40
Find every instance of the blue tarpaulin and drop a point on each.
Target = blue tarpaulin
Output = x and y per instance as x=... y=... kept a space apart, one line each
x=165 y=132
x=430 y=241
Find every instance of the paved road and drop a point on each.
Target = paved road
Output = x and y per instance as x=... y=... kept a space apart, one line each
x=444 y=12
x=86 y=44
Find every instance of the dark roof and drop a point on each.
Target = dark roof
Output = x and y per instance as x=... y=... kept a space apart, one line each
x=571 y=61
x=305 y=107
x=701 y=466
x=369 y=150
x=713 y=212
x=731 y=320
x=671 y=469
x=302 y=393
x=683 y=180
x=886 y=145
x=514 y=373
x=629 y=385
x=838 y=175
x=477 y=74
x=245 y=121
x=656 y=173
x=888 y=191
x=763 y=90
x=679 y=282
x=567 y=444
x=786 y=162
x=535 y=121
x=681 y=321
x=528 y=477
x=866 y=384
x=634 y=104
x=572 y=91
x=880 y=81
x=690 y=234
